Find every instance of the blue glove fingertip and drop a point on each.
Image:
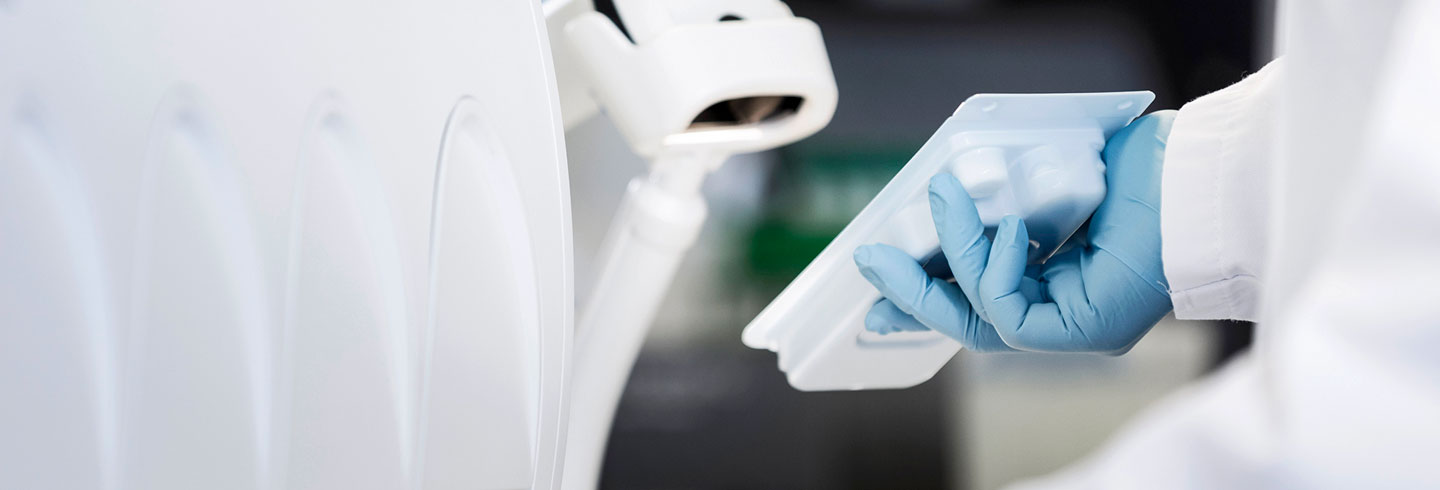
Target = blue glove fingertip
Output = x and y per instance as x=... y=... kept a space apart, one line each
x=1011 y=232
x=946 y=192
x=864 y=260
x=875 y=320
x=863 y=255
x=886 y=318
x=945 y=185
x=941 y=187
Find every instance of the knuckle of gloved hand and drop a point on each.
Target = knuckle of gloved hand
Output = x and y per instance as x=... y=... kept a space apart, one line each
x=1119 y=351
x=1158 y=120
x=1030 y=340
x=1115 y=344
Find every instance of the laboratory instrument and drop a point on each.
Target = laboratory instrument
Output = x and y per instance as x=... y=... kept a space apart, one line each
x=306 y=244
x=687 y=84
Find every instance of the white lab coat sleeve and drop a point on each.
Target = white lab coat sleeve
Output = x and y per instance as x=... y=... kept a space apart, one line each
x=1214 y=196
x=1342 y=386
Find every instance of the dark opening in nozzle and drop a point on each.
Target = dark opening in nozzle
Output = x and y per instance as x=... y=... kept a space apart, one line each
x=746 y=110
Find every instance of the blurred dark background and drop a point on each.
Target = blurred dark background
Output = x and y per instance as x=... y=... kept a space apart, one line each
x=704 y=412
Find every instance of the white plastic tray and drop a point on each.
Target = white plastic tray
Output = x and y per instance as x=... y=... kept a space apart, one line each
x=1032 y=155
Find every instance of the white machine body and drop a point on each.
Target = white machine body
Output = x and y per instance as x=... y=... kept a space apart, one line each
x=688 y=83
x=684 y=80
x=1037 y=156
x=310 y=244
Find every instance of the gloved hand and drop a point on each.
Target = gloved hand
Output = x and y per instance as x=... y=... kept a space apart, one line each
x=1100 y=296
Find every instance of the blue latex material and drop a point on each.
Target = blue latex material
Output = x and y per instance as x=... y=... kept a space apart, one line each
x=1101 y=295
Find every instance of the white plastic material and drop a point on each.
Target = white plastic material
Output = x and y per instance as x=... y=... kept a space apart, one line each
x=688 y=84
x=1032 y=155
x=681 y=59
x=654 y=227
x=307 y=244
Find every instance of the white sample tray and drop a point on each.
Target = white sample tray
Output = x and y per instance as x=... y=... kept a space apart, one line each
x=1032 y=155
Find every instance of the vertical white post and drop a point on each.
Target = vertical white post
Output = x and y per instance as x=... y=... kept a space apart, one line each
x=658 y=221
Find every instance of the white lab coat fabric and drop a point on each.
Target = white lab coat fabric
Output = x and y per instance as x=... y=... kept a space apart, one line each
x=1307 y=198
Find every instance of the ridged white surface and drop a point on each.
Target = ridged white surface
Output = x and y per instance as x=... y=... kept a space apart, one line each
x=306 y=244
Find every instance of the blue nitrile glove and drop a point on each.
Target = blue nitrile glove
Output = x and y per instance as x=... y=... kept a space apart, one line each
x=1100 y=296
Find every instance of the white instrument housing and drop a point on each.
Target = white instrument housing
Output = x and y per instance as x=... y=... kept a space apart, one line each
x=306 y=244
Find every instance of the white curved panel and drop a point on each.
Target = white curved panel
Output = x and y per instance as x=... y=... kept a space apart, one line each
x=57 y=416
x=348 y=343
x=268 y=272
x=193 y=370
x=483 y=377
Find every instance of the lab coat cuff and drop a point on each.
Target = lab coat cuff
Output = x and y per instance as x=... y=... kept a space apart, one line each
x=1212 y=188
x=1227 y=299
